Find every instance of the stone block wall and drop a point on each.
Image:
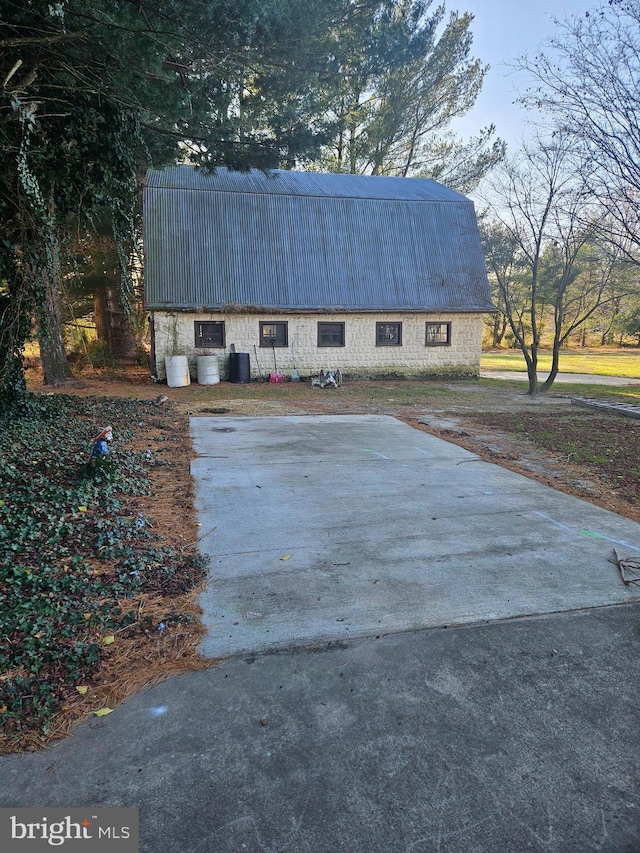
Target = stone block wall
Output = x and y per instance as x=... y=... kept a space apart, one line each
x=360 y=357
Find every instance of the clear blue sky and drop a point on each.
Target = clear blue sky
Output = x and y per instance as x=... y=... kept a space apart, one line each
x=502 y=31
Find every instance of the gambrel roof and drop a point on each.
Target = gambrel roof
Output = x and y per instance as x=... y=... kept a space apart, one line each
x=306 y=241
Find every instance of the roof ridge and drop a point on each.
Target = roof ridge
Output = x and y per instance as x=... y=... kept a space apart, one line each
x=302 y=184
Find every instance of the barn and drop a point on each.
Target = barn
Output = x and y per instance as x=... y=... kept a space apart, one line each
x=377 y=276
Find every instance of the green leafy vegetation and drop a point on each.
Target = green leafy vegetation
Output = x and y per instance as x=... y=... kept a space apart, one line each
x=351 y=85
x=74 y=549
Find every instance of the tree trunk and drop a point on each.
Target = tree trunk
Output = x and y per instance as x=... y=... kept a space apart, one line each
x=532 y=373
x=531 y=357
x=499 y=329
x=14 y=330
x=112 y=321
x=53 y=357
x=555 y=366
x=555 y=358
x=353 y=152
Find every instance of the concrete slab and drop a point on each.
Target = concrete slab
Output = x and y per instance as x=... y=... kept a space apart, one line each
x=500 y=738
x=628 y=410
x=322 y=528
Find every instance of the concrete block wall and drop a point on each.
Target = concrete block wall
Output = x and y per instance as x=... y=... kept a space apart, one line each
x=360 y=357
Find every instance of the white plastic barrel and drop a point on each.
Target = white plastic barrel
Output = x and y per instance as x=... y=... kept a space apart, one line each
x=177 y=367
x=208 y=369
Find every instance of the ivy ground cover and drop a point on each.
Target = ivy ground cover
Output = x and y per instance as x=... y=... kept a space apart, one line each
x=97 y=592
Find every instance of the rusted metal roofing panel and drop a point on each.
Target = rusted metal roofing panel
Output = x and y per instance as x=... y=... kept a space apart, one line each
x=318 y=242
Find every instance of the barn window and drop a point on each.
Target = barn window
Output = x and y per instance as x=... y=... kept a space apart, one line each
x=388 y=334
x=330 y=334
x=274 y=334
x=209 y=334
x=438 y=335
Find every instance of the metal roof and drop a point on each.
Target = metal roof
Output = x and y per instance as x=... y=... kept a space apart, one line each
x=289 y=182
x=295 y=241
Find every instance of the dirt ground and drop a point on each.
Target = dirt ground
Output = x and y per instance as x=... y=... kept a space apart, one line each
x=592 y=454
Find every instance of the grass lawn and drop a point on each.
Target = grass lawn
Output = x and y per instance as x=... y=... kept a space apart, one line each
x=366 y=395
x=602 y=362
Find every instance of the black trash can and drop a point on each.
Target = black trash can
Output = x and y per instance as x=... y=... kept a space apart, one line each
x=239 y=368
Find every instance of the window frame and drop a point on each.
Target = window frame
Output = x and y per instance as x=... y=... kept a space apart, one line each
x=381 y=326
x=320 y=330
x=199 y=341
x=283 y=341
x=445 y=343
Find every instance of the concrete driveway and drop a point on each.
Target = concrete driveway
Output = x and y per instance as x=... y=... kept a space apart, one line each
x=501 y=736
x=323 y=528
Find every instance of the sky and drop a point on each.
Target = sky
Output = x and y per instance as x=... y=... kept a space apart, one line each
x=502 y=31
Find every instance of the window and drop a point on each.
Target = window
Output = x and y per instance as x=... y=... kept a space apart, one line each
x=388 y=334
x=330 y=334
x=438 y=334
x=209 y=334
x=274 y=334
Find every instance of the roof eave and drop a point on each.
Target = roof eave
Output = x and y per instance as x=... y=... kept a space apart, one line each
x=317 y=309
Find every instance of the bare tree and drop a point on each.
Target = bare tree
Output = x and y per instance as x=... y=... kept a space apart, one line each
x=507 y=276
x=536 y=243
x=587 y=81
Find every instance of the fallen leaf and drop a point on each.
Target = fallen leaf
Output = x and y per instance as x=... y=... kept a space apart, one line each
x=82 y=690
x=286 y=557
x=103 y=712
x=106 y=641
x=82 y=508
